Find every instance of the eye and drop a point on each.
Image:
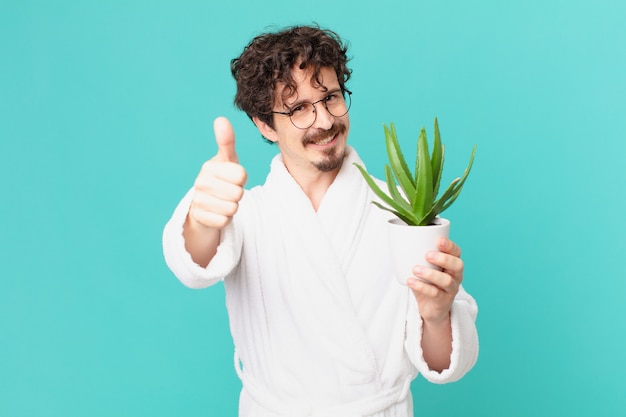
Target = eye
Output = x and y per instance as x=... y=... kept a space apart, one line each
x=297 y=109
x=331 y=97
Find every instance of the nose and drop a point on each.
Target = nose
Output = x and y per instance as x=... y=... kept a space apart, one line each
x=323 y=120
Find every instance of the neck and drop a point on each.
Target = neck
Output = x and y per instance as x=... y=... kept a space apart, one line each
x=315 y=185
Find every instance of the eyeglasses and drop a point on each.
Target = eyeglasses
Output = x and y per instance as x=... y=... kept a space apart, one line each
x=303 y=115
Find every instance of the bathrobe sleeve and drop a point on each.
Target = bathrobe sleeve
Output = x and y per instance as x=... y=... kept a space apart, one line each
x=464 y=340
x=179 y=260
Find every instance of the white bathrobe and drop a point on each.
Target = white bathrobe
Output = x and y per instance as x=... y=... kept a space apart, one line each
x=320 y=326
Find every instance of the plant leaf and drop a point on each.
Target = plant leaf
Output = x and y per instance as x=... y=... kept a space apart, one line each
x=453 y=190
x=393 y=190
x=460 y=184
x=437 y=207
x=383 y=196
x=397 y=162
x=424 y=178
x=437 y=160
x=408 y=218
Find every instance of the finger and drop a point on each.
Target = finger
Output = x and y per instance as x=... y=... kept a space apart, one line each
x=222 y=190
x=225 y=139
x=448 y=246
x=212 y=212
x=439 y=279
x=208 y=219
x=448 y=263
x=214 y=175
x=208 y=203
x=422 y=288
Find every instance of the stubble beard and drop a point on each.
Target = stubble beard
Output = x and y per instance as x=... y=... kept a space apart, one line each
x=332 y=162
x=333 y=158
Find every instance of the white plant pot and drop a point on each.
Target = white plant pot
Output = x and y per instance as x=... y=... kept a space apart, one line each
x=408 y=245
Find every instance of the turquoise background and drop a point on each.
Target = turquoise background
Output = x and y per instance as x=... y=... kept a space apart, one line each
x=106 y=113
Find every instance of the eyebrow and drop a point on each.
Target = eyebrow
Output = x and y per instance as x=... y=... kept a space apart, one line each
x=299 y=102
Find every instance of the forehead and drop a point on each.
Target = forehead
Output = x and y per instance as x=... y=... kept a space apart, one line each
x=306 y=86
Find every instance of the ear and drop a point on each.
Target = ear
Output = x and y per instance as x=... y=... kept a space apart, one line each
x=265 y=129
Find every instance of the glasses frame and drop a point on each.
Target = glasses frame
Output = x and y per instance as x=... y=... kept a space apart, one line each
x=344 y=91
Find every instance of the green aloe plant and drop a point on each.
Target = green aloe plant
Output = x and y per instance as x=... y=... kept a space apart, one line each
x=417 y=203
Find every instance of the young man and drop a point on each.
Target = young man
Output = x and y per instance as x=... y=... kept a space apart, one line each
x=319 y=325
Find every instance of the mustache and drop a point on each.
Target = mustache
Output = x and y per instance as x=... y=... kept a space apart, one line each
x=336 y=128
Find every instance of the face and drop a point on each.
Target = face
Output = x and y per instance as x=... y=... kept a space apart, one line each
x=320 y=148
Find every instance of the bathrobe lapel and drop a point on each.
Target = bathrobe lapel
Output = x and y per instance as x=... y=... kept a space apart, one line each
x=319 y=248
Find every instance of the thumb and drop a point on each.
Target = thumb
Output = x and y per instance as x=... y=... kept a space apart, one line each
x=225 y=139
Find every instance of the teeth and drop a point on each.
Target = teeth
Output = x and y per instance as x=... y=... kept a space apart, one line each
x=325 y=141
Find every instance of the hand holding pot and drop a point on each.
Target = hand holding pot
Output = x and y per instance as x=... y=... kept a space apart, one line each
x=435 y=300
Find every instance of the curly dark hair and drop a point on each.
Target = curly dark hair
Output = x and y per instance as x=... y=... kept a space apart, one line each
x=269 y=58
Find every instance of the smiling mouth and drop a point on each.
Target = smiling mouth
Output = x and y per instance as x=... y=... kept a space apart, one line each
x=325 y=141
x=324 y=138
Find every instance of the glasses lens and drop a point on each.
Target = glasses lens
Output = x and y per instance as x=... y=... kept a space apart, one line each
x=303 y=116
x=338 y=105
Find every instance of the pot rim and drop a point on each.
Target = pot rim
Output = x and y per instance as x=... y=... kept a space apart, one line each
x=438 y=222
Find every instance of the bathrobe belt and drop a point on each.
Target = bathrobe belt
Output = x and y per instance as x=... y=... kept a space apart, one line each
x=364 y=407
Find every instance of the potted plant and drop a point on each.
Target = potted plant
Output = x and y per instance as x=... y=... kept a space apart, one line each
x=413 y=197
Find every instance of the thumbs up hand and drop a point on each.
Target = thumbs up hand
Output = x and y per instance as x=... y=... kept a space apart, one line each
x=225 y=139
x=219 y=185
